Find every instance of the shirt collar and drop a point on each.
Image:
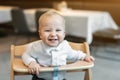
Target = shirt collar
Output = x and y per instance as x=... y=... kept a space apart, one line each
x=48 y=48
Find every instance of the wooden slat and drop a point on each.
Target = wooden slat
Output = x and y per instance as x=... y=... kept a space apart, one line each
x=77 y=46
x=19 y=50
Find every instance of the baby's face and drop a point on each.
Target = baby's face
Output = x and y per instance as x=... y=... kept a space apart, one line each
x=52 y=31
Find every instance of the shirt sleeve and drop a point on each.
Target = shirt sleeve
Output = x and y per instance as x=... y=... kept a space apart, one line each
x=27 y=56
x=74 y=55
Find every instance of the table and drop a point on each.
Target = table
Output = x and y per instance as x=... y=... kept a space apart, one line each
x=82 y=23
x=5 y=14
x=5 y=17
x=30 y=19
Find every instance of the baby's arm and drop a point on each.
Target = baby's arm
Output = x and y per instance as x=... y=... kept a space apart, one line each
x=76 y=55
x=29 y=60
x=33 y=66
x=30 y=56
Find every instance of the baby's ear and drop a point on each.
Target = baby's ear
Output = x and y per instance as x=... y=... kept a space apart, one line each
x=40 y=35
x=64 y=34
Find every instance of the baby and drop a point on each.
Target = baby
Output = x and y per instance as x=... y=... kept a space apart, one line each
x=52 y=49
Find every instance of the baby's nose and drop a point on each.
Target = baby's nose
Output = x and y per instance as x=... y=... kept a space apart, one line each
x=53 y=33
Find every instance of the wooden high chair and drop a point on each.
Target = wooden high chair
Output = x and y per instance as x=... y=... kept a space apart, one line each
x=18 y=67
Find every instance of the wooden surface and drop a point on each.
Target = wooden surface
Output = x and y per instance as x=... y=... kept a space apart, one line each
x=19 y=66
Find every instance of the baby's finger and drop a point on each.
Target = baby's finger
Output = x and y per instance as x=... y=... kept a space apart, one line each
x=92 y=58
x=30 y=71
x=89 y=60
x=33 y=71
x=37 y=70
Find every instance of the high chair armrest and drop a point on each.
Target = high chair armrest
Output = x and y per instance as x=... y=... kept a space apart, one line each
x=78 y=65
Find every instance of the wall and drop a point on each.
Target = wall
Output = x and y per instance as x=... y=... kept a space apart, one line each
x=112 y=6
x=27 y=3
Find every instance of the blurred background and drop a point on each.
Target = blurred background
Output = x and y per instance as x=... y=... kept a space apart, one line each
x=96 y=22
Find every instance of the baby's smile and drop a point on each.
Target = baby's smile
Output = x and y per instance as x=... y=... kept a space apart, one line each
x=52 y=39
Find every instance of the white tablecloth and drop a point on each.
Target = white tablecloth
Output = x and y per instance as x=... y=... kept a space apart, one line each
x=94 y=20
x=5 y=14
x=30 y=19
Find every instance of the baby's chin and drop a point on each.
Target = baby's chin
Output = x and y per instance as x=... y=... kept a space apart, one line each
x=53 y=45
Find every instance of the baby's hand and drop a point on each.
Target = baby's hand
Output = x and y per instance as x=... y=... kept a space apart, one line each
x=34 y=68
x=89 y=59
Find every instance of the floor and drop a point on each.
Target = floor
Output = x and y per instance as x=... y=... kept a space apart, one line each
x=107 y=59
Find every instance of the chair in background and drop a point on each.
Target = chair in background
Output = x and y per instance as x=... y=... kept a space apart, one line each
x=18 y=67
x=20 y=24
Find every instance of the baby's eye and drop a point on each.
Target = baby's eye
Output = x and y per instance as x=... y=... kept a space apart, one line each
x=47 y=30
x=58 y=30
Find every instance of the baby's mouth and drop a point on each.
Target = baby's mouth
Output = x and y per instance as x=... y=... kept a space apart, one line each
x=53 y=39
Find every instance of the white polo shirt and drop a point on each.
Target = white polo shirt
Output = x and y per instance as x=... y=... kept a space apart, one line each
x=51 y=56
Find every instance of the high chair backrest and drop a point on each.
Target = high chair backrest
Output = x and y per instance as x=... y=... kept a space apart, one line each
x=18 y=67
x=80 y=46
x=18 y=50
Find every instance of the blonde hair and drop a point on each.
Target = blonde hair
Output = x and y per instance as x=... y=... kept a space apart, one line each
x=51 y=13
